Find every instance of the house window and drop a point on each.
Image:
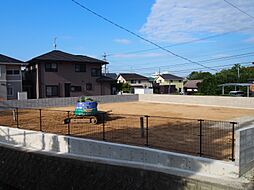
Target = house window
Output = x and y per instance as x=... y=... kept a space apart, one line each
x=95 y=72
x=180 y=81
x=16 y=72
x=89 y=86
x=52 y=91
x=133 y=81
x=51 y=67
x=76 y=88
x=139 y=81
x=9 y=91
x=80 y=68
x=171 y=81
x=12 y=72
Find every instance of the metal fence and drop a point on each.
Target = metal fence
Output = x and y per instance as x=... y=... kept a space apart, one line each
x=205 y=138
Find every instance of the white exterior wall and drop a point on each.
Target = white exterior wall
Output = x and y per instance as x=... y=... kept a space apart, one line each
x=143 y=83
x=143 y=91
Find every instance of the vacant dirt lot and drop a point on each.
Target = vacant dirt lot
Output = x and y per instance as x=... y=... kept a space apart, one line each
x=172 y=110
x=170 y=127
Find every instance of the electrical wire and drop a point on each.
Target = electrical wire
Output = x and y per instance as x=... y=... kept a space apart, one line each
x=203 y=61
x=178 y=44
x=139 y=36
x=242 y=11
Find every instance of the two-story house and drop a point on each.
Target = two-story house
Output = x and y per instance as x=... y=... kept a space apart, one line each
x=60 y=74
x=134 y=80
x=168 y=84
x=10 y=77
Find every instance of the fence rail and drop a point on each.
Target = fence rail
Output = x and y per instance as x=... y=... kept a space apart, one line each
x=205 y=138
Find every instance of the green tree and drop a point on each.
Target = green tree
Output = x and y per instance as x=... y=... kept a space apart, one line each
x=210 y=83
x=125 y=87
x=198 y=75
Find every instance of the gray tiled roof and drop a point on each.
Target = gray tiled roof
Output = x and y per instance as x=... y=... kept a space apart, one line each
x=170 y=77
x=6 y=59
x=57 y=55
x=132 y=76
x=111 y=75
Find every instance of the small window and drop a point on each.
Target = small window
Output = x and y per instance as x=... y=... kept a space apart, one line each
x=52 y=91
x=139 y=81
x=89 y=86
x=9 y=91
x=180 y=81
x=9 y=72
x=171 y=81
x=76 y=88
x=80 y=68
x=95 y=72
x=133 y=81
x=12 y=72
x=51 y=67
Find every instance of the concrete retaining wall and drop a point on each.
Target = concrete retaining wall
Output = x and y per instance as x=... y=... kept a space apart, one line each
x=118 y=154
x=61 y=102
x=29 y=170
x=237 y=102
x=245 y=148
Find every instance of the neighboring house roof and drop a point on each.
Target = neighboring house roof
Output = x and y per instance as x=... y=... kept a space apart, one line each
x=57 y=55
x=192 y=83
x=105 y=79
x=8 y=60
x=111 y=75
x=132 y=76
x=170 y=77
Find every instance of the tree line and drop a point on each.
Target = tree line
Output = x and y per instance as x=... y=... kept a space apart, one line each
x=210 y=82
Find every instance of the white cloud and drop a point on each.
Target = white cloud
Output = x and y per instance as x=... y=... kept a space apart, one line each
x=138 y=55
x=250 y=40
x=122 y=41
x=181 y=20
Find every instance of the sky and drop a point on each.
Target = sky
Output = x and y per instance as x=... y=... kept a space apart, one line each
x=29 y=27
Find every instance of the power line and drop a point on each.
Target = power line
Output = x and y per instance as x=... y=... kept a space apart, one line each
x=138 y=36
x=178 y=44
x=200 y=69
x=232 y=5
x=205 y=61
x=204 y=55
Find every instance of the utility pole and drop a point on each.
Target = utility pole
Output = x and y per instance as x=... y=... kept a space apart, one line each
x=105 y=66
x=238 y=74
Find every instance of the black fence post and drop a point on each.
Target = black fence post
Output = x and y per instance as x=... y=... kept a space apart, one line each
x=147 y=128
x=40 y=121
x=17 y=117
x=200 y=136
x=233 y=141
x=142 y=129
x=103 y=126
x=69 y=127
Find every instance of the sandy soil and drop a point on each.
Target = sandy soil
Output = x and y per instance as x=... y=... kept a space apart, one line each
x=174 y=110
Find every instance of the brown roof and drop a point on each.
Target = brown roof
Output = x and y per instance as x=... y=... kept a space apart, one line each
x=192 y=83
